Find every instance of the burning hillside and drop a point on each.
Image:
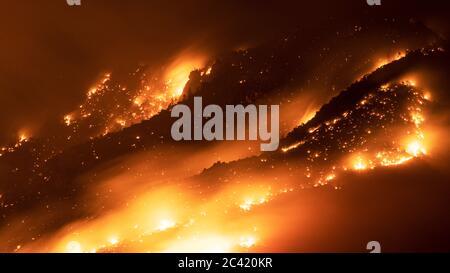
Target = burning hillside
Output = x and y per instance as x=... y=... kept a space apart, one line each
x=108 y=177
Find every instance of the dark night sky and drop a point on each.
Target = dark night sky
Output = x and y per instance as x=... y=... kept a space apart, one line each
x=51 y=53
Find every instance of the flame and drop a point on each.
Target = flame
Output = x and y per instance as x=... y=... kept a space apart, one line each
x=292 y=147
x=137 y=101
x=389 y=159
x=309 y=115
x=417 y=118
x=177 y=75
x=68 y=120
x=155 y=91
x=330 y=177
x=195 y=238
x=416 y=148
x=386 y=60
x=121 y=122
x=360 y=164
x=23 y=138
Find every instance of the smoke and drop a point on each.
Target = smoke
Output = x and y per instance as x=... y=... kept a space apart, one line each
x=52 y=53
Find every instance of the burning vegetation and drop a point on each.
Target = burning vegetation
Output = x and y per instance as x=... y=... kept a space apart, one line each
x=113 y=180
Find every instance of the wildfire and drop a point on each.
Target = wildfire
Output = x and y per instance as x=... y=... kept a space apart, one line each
x=392 y=159
x=384 y=61
x=359 y=164
x=330 y=177
x=416 y=148
x=208 y=71
x=308 y=116
x=249 y=203
x=92 y=92
x=111 y=105
x=417 y=118
x=178 y=73
x=137 y=101
x=23 y=138
x=121 y=122
x=68 y=120
x=223 y=221
x=312 y=130
x=293 y=146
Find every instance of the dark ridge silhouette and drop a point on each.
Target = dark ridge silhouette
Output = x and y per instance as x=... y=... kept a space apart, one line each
x=353 y=94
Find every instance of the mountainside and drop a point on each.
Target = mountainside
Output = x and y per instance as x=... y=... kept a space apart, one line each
x=368 y=120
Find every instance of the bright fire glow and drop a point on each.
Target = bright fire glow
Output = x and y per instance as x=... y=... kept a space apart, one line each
x=68 y=120
x=247 y=241
x=154 y=91
x=359 y=164
x=178 y=73
x=165 y=224
x=292 y=147
x=384 y=61
x=23 y=138
x=113 y=240
x=416 y=148
x=74 y=247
